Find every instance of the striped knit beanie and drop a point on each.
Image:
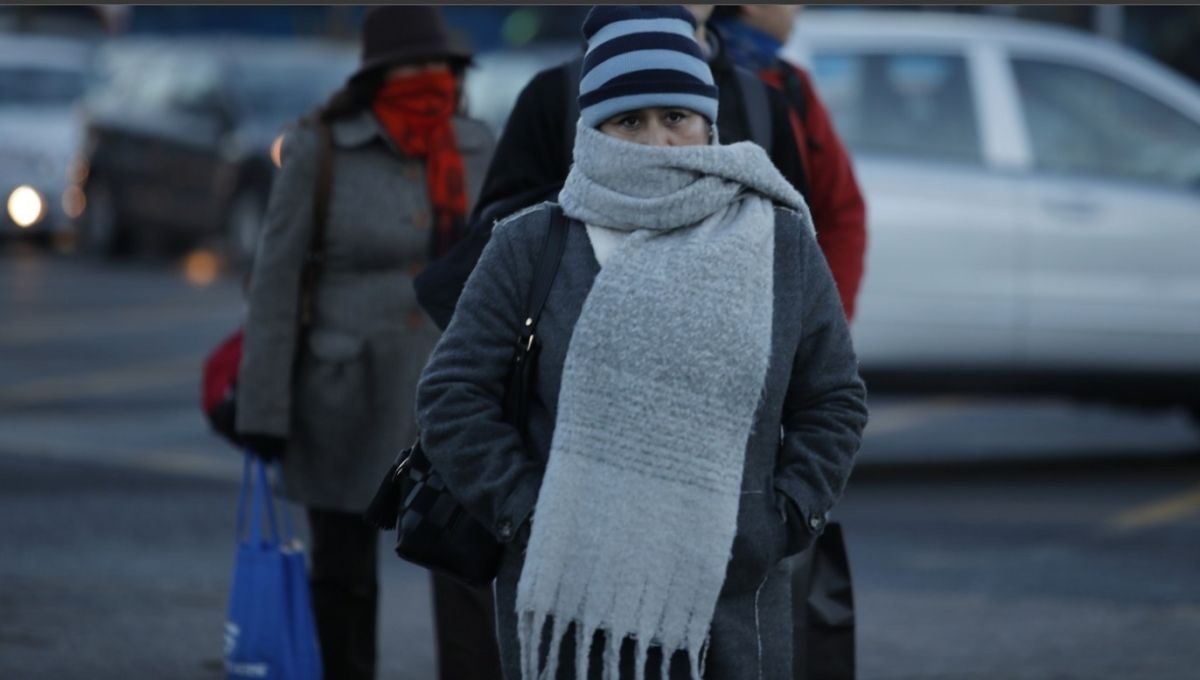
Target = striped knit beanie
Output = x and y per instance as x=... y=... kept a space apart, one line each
x=640 y=56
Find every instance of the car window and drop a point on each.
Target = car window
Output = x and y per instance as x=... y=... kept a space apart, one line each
x=904 y=104
x=196 y=84
x=28 y=85
x=1084 y=122
x=163 y=81
x=288 y=87
x=152 y=88
x=119 y=71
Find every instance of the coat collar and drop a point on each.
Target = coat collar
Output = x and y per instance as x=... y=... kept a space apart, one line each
x=363 y=127
x=356 y=130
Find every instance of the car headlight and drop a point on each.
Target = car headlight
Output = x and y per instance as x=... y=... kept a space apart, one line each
x=25 y=206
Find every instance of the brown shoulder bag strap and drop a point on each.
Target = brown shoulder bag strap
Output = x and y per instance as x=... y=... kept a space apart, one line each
x=316 y=246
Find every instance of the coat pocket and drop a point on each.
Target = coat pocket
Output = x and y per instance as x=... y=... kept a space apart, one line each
x=334 y=384
x=335 y=346
x=761 y=538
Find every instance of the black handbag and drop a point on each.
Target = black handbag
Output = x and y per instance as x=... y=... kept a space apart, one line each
x=433 y=529
x=829 y=611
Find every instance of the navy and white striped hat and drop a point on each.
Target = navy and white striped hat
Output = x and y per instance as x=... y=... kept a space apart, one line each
x=640 y=56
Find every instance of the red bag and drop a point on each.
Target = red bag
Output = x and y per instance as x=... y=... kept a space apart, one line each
x=219 y=386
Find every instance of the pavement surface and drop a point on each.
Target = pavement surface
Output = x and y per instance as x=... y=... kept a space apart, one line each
x=988 y=538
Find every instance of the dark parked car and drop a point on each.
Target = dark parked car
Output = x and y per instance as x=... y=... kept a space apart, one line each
x=181 y=142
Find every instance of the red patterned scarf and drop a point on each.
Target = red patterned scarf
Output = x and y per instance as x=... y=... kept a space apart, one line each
x=417 y=112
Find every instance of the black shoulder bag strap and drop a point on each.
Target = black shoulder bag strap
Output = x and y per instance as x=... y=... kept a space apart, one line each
x=524 y=363
x=316 y=245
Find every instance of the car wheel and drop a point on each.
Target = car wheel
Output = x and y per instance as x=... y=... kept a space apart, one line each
x=100 y=233
x=244 y=223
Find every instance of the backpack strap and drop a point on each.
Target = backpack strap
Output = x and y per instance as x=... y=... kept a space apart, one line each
x=316 y=246
x=797 y=98
x=758 y=108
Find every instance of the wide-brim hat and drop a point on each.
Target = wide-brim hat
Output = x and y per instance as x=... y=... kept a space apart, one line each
x=405 y=34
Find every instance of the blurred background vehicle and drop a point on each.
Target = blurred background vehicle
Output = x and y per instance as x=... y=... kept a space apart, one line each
x=1030 y=189
x=181 y=141
x=498 y=76
x=1034 y=205
x=41 y=80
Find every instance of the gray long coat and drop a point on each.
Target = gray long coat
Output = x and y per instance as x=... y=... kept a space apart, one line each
x=807 y=430
x=345 y=398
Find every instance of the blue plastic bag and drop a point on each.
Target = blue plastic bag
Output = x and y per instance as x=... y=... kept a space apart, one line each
x=269 y=631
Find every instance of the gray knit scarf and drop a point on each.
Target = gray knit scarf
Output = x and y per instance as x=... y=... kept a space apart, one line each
x=637 y=512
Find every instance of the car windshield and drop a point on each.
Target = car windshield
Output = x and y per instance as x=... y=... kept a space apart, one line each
x=33 y=85
x=288 y=88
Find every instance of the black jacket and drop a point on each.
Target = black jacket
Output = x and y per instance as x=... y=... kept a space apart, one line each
x=533 y=156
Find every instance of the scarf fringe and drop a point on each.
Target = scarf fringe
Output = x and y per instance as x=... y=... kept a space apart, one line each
x=532 y=626
x=583 y=651
x=641 y=656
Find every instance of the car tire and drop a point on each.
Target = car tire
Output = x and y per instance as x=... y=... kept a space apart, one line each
x=243 y=224
x=100 y=232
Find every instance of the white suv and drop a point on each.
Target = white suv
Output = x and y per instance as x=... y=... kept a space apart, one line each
x=1033 y=197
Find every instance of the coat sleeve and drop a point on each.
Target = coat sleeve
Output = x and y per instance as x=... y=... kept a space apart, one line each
x=825 y=410
x=837 y=203
x=265 y=374
x=531 y=158
x=461 y=392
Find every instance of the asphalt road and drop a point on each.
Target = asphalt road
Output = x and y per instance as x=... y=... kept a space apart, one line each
x=988 y=539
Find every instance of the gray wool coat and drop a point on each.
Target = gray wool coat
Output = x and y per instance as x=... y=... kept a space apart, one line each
x=343 y=393
x=808 y=428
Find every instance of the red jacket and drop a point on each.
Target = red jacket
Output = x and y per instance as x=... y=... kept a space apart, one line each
x=833 y=197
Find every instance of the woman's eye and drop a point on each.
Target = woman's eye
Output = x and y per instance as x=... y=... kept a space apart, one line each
x=628 y=122
x=676 y=117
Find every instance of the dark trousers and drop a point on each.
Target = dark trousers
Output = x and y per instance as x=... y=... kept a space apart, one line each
x=345 y=592
x=465 y=629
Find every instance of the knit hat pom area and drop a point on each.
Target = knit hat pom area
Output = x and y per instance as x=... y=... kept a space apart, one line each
x=641 y=56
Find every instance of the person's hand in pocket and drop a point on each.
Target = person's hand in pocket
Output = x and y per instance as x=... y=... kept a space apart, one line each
x=799 y=534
